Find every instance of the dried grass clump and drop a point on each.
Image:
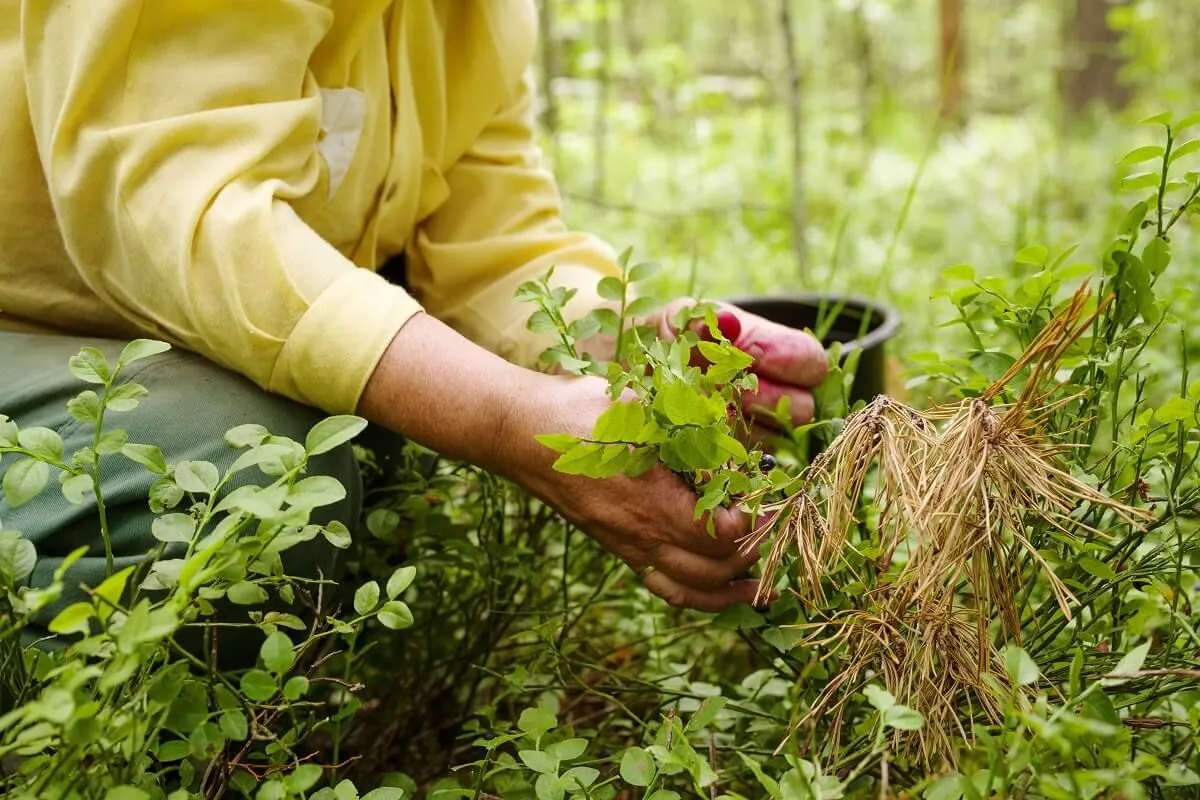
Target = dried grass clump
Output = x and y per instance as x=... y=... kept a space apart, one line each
x=957 y=491
x=925 y=656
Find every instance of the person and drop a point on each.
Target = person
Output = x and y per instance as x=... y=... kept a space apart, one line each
x=234 y=177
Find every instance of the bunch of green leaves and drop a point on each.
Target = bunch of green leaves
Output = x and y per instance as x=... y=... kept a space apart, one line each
x=135 y=702
x=676 y=400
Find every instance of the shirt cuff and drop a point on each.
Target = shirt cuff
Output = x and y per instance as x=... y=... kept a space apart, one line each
x=338 y=342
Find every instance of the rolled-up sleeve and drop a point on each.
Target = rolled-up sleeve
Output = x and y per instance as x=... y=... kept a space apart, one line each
x=175 y=136
x=502 y=225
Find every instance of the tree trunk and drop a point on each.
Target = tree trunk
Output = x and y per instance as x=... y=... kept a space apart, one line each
x=952 y=58
x=603 y=83
x=1091 y=74
x=795 y=118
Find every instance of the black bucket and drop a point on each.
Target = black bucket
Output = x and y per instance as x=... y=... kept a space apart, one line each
x=802 y=311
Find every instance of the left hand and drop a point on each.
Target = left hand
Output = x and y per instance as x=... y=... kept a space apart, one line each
x=788 y=362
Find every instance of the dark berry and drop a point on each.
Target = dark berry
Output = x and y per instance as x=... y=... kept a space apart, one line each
x=767 y=462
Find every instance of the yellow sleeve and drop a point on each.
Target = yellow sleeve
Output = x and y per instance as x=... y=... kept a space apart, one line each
x=174 y=135
x=500 y=226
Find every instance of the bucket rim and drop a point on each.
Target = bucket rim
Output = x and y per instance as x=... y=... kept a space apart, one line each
x=888 y=327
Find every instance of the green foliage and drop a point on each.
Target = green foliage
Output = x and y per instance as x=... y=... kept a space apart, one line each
x=129 y=707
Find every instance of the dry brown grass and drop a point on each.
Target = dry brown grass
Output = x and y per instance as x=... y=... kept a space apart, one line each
x=956 y=490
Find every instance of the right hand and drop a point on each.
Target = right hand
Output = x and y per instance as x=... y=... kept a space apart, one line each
x=487 y=412
x=648 y=522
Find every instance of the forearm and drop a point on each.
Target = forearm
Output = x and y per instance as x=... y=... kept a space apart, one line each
x=438 y=389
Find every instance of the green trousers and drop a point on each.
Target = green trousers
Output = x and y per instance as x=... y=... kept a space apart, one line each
x=191 y=404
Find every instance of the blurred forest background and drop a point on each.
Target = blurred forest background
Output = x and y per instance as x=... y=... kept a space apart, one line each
x=854 y=146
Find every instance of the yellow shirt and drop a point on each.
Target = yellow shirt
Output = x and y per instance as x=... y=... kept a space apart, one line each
x=228 y=175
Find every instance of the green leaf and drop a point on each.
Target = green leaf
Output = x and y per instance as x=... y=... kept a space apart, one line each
x=1163 y=118
x=1130 y=664
x=148 y=455
x=75 y=488
x=385 y=793
x=277 y=653
x=1185 y=149
x=24 y=481
x=947 y=788
x=691 y=449
x=539 y=761
x=126 y=793
x=139 y=349
x=295 y=688
x=257 y=685
x=303 y=778
x=337 y=534
x=18 y=557
x=637 y=767
x=1177 y=409
x=621 y=422
x=73 y=619
x=644 y=271
x=8 y=432
x=959 y=272
x=611 y=288
x=244 y=593
x=903 y=718
x=1097 y=569
x=316 y=491
x=1187 y=121
x=1034 y=254
x=558 y=442
x=90 y=366
x=1139 y=155
x=706 y=713
x=567 y=749
x=251 y=435
x=1156 y=255
x=584 y=776
x=537 y=720
x=85 y=407
x=333 y=432
x=580 y=460
x=1020 y=666
x=111 y=442
x=1133 y=219
x=233 y=724
x=174 y=528
x=197 y=477
x=401 y=579
x=42 y=443
x=1140 y=181
x=366 y=598
x=643 y=307
x=396 y=615
x=681 y=404
x=125 y=397
x=879 y=697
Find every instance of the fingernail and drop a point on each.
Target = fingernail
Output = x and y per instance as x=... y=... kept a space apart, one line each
x=729 y=325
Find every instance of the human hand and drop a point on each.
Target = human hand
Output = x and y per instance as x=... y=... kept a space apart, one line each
x=788 y=363
x=648 y=522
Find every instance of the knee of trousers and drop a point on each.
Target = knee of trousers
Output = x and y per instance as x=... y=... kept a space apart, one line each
x=191 y=404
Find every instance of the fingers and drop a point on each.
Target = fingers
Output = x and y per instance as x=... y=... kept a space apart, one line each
x=762 y=404
x=708 y=601
x=701 y=572
x=781 y=354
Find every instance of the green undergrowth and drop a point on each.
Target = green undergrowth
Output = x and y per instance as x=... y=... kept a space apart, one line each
x=481 y=648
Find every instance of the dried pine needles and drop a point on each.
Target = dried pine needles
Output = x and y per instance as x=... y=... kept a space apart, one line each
x=956 y=494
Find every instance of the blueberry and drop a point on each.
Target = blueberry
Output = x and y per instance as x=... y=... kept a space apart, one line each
x=767 y=462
